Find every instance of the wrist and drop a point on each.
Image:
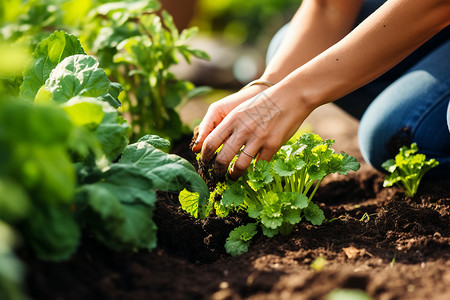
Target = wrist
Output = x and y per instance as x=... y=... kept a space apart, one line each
x=258 y=82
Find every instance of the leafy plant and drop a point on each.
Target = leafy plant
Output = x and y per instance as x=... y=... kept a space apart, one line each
x=279 y=193
x=139 y=48
x=407 y=169
x=135 y=43
x=65 y=163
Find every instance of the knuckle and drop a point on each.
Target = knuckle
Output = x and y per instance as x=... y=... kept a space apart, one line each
x=240 y=165
x=221 y=161
x=272 y=145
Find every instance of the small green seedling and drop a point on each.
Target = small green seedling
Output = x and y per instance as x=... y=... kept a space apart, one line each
x=276 y=194
x=407 y=169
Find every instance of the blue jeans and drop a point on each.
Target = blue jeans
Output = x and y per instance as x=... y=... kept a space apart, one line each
x=409 y=103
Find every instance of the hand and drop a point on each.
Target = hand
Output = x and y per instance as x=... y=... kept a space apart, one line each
x=220 y=109
x=262 y=124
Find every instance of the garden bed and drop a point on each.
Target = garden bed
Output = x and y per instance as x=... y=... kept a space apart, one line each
x=379 y=241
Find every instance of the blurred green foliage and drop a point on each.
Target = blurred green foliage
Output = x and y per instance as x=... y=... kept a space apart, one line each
x=135 y=43
x=244 y=21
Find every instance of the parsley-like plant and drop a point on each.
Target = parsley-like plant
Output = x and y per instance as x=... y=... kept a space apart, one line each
x=277 y=194
x=407 y=169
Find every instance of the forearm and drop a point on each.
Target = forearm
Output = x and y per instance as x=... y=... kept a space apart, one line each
x=317 y=25
x=391 y=33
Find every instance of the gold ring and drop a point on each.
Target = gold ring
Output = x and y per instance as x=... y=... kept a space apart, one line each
x=245 y=152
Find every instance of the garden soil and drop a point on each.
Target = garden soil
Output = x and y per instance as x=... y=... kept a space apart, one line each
x=376 y=240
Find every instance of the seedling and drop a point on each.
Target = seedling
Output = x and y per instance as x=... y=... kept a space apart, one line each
x=407 y=169
x=277 y=194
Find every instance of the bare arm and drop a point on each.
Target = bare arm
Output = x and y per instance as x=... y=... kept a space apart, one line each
x=317 y=25
x=386 y=37
x=263 y=124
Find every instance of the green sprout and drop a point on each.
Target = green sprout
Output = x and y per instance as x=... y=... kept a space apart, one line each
x=407 y=169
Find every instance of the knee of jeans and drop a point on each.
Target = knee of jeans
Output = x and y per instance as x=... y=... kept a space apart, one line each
x=372 y=143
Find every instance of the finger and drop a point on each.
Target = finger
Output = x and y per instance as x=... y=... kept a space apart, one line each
x=244 y=160
x=212 y=142
x=204 y=129
x=227 y=153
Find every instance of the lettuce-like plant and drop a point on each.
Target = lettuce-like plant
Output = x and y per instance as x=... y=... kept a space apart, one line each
x=277 y=194
x=407 y=169
x=67 y=163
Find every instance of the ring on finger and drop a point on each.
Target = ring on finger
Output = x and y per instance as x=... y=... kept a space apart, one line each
x=245 y=152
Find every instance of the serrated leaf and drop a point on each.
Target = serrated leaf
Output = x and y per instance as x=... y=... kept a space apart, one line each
x=314 y=214
x=269 y=232
x=233 y=195
x=239 y=239
x=189 y=202
x=292 y=216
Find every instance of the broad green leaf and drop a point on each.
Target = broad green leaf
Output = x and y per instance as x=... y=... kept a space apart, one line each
x=47 y=55
x=52 y=232
x=157 y=142
x=271 y=220
x=239 y=239
x=43 y=96
x=269 y=232
x=314 y=214
x=254 y=210
x=292 y=216
x=84 y=112
x=260 y=174
x=348 y=163
x=112 y=133
x=233 y=195
x=77 y=75
x=119 y=209
x=282 y=168
x=168 y=172
x=294 y=199
x=189 y=202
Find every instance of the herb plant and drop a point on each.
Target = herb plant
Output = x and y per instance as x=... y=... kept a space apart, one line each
x=407 y=169
x=277 y=194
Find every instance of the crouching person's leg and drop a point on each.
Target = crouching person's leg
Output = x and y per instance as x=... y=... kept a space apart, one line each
x=415 y=108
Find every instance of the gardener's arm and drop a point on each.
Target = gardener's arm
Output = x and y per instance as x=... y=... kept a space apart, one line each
x=265 y=122
x=317 y=25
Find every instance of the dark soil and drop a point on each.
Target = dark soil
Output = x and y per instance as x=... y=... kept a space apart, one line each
x=399 y=250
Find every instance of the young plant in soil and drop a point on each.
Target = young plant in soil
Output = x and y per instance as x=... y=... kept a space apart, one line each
x=276 y=194
x=66 y=163
x=407 y=169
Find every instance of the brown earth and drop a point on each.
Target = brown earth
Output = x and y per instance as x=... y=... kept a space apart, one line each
x=378 y=241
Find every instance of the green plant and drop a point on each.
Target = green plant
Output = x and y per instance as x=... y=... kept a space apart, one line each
x=407 y=169
x=65 y=162
x=279 y=193
x=135 y=44
x=139 y=48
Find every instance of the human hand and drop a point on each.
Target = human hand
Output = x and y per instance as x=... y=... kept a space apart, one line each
x=262 y=124
x=220 y=109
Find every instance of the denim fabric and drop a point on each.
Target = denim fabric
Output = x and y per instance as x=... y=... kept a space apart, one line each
x=419 y=100
x=415 y=94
